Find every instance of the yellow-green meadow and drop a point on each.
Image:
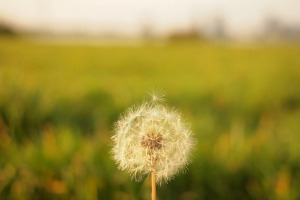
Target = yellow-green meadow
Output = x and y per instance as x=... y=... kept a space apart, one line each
x=59 y=102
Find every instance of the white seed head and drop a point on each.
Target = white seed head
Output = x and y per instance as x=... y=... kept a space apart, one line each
x=152 y=137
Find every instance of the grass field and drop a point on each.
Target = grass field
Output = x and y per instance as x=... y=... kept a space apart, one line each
x=59 y=101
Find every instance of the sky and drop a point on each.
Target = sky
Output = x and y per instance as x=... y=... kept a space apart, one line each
x=241 y=17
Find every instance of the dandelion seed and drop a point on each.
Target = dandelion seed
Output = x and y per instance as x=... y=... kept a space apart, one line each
x=152 y=138
x=157 y=96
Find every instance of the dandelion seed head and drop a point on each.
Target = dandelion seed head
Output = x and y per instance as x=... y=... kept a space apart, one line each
x=151 y=137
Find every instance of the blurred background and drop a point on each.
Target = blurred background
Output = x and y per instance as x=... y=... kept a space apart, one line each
x=68 y=69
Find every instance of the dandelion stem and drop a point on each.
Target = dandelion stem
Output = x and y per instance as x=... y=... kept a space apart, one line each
x=153 y=181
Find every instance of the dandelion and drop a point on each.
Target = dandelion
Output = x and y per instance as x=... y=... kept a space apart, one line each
x=152 y=138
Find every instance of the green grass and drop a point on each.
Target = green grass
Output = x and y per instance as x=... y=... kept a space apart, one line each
x=58 y=103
